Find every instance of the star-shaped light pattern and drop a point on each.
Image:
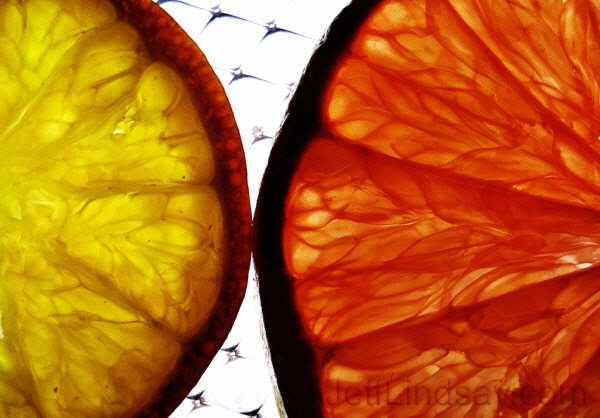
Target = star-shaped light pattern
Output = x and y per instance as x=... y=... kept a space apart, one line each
x=259 y=50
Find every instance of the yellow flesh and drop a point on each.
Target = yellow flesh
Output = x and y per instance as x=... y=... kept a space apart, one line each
x=110 y=232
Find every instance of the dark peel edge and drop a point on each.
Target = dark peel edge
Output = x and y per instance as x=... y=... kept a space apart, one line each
x=293 y=357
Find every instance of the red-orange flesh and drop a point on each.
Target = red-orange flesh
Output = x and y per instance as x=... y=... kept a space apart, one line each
x=441 y=227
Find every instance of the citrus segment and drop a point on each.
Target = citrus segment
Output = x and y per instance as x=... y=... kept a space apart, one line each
x=58 y=327
x=438 y=212
x=454 y=102
x=379 y=236
x=116 y=211
x=510 y=357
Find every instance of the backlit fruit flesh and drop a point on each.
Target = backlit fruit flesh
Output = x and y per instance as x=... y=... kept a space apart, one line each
x=124 y=213
x=439 y=231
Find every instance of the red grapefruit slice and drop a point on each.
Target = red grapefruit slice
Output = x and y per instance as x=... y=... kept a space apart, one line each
x=437 y=185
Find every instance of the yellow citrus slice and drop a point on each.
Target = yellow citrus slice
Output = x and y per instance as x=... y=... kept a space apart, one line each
x=124 y=214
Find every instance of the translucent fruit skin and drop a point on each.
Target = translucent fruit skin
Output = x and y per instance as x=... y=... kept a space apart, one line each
x=124 y=213
x=441 y=227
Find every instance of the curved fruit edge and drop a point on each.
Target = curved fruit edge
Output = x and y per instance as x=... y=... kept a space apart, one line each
x=168 y=42
x=293 y=358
